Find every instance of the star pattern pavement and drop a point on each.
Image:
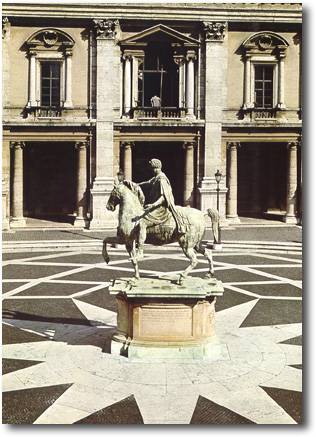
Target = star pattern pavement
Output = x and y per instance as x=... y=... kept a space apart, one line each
x=58 y=319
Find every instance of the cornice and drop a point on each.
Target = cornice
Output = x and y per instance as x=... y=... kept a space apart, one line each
x=231 y=12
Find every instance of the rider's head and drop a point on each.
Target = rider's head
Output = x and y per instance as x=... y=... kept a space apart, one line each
x=156 y=165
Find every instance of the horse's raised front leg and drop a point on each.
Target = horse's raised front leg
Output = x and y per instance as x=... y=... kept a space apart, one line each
x=189 y=253
x=208 y=255
x=131 y=249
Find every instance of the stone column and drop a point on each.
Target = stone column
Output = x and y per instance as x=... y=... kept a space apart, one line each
x=127 y=159
x=68 y=82
x=127 y=83
x=81 y=200
x=190 y=86
x=281 y=103
x=17 y=218
x=290 y=216
x=6 y=80
x=32 y=79
x=216 y=59
x=107 y=103
x=232 y=214
x=188 y=191
x=247 y=74
x=180 y=61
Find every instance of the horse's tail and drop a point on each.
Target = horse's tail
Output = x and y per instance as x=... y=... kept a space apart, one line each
x=214 y=216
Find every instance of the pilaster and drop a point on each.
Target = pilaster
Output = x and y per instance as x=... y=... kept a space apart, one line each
x=216 y=55
x=107 y=100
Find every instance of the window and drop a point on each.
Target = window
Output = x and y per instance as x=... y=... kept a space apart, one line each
x=50 y=84
x=263 y=86
x=264 y=73
x=157 y=76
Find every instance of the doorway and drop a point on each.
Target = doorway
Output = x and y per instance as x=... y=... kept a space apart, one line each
x=49 y=181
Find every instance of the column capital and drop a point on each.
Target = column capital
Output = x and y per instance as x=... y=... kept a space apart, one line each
x=127 y=145
x=16 y=145
x=81 y=145
x=127 y=56
x=31 y=53
x=5 y=26
x=215 y=30
x=233 y=145
x=293 y=144
x=68 y=52
x=178 y=59
x=106 y=28
x=189 y=145
x=191 y=55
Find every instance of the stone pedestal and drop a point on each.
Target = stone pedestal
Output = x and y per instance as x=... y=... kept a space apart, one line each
x=158 y=319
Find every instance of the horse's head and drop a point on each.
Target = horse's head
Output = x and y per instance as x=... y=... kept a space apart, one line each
x=115 y=197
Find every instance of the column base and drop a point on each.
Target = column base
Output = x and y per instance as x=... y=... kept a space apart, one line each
x=232 y=219
x=208 y=196
x=17 y=222
x=81 y=223
x=101 y=217
x=290 y=219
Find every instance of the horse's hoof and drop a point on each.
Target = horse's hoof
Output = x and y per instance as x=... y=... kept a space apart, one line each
x=107 y=259
x=209 y=276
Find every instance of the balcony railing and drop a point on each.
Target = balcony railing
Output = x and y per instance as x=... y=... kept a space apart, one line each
x=46 y=111
x=150 y=113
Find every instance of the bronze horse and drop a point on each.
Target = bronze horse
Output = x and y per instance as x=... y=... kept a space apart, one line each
x=134 y=229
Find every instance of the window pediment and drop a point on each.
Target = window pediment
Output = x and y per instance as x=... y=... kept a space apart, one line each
x=53 y=39
x=159 y=33
x=264 y=42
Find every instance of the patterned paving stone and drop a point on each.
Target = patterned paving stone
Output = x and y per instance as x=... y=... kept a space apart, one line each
x=295 y=340
x=12 y=335
x=57 y=311
x=8 y=286
x=230 y=299
x=101 y=298
x=86 y=258
x=246 y=259
x=292 y=273
x=209 y=413
x=234 y=275
x=272 y=312
x=11 y=365
x=30 y=271
x=125 y=412
x=291 y=401
x=273 y=289
x=24 y=406
x=54 y=289
x=99 y=275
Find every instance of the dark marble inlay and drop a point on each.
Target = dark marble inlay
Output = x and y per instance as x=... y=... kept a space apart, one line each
x=99 y=274
x=100 y=298
x=273 y=289
x=54 y=289
x=13 y=335
x=11 y=365
x=296 y=341
x=25 y=406
x=230 y=299
x=44 y=310
x=297 y=366
x=9 y=286
x=208 y=412
x=17 y=271
x=294 y=273
x=274 y=312
x=291 y=401
x=124 y=412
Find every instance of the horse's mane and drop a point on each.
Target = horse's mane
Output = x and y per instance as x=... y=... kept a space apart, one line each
x=135 y=189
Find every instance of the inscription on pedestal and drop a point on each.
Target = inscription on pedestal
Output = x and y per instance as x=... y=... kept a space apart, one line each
x=165 y=322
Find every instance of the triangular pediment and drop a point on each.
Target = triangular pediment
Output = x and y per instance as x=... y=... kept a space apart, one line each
x=159 y=33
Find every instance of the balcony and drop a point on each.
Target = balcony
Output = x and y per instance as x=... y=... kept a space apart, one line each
x=163 y=113
x=53 y=112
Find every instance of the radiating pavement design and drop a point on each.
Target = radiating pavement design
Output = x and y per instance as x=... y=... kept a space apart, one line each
x=58 y=318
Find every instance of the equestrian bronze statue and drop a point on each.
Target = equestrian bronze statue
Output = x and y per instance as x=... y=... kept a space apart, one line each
x=159 y=222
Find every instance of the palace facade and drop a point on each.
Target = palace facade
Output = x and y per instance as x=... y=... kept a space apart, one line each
x=89 y=89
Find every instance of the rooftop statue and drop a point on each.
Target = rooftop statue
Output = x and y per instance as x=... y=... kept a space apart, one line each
x=159 y=222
